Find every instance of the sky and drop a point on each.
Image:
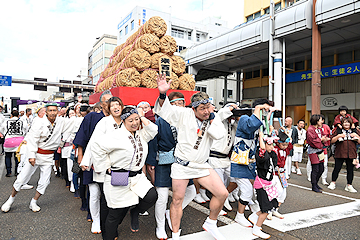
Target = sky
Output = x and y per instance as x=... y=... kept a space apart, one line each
x=52 y=38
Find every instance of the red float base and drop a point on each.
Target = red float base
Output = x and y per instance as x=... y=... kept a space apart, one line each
x=134 y=95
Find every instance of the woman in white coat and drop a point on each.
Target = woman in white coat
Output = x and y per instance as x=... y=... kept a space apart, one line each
x=124 y=151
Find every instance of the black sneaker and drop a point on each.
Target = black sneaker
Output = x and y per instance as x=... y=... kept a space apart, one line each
x=8 y=175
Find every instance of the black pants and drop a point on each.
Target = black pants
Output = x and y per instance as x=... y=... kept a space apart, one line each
x=116 y=215
x=64 y=172
x=104 y=210
x=316 y=171
x=349 y=169
x=8 y=158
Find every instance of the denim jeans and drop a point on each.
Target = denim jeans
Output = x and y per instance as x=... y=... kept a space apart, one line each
x=8 y=156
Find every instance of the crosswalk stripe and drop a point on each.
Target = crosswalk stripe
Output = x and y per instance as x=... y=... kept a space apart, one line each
x=311 y=217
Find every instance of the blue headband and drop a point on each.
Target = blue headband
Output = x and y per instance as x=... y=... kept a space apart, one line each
x=141 y=103
x=197 y=103
x=177 y=99
x=126 y=115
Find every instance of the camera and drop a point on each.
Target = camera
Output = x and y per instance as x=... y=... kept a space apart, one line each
x=242 y=111
x=277 y=114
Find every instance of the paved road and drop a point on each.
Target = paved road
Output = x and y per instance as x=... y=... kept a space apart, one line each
x=308 y=215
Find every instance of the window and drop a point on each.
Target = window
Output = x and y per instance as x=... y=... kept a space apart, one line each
x=181 y=48
x=106 y=61
x=327 y=61
x=126 y=29
x=110 y=47
x=121 y=33
x=201 y=89
x=132 y=25
x=265 y=72
x=177 y=33
x=357 y=55
x=267 y=11
x=198 y=37
x=256 y=74
x=345 y=57
x=189 y=35
x=248 y=75
x=277 y=6
x=299 y=65
x=230 y=93
x=249 y=18
x=256 y=15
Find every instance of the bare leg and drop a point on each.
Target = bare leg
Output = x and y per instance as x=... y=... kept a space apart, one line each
x=241 y=208
x=197 y=186
x=231 y=187
x=296 y=164
x=214 y=184
x=179 y=188
x=13 y=192
x=261 y=219
x=37 y=195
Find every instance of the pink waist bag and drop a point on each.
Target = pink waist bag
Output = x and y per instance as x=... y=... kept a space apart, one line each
x=13 y=142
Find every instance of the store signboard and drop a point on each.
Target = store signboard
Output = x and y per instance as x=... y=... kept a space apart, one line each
x=335 y=71
x=334 y=101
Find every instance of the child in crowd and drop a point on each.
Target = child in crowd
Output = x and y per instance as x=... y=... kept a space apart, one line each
x=266 y=161
x=282 y=150
x=343 y=113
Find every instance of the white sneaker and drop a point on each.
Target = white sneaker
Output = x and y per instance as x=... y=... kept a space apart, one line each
x=198 y=198
x=203 y=195
x=253 y=218
x=257 y=232
x=293 y=169
x=146 y=213
x=269 y=216
x=210 y=226
x=33 y=206
x=227 y=204
x=167 y=215
x=240 y=219
x=95 y=227
x=7 y=205
x=176 y=236
x=298 y=172
x=309 y=179
x=161 y=233
x=350 y=188
x=324 y=182
x=26 y=187
x=277 y=214
x=332 y=186
x=231 y=197
x=222 y=213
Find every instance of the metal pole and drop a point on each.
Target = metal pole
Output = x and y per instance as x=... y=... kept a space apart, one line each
x=225 y=90
x=316 y=66
x=271 y=39
x=284 y=80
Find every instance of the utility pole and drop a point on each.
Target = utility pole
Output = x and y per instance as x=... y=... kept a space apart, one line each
x=316 y=66
x=271 y=46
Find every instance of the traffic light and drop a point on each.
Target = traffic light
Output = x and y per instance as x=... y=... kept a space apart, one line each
x=40 y=86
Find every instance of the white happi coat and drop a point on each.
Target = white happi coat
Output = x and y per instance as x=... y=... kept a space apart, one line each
x=69 y=136
x=46 y=136
x=224 y=144
x=13 y=127
x=115 y=150
x=104 y=126
x=187 y=149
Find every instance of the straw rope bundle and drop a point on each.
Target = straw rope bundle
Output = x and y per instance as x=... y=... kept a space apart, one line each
x=148 y=78
x=186 y=82
x=123 y=53
x=148 y=42
x=178 y=64
x=128 y=77
x=114 y=69
x=175 y=81
x=155 y=60
x=118 y=49
x=138 y=58
x=168 y=45
x=106 y=72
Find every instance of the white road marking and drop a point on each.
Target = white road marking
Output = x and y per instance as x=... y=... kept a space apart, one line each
x=327 y=193
x=340 y=174
x=311 y=217
x=232 y=231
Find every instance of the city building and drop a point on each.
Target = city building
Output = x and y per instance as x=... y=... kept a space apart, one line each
x=100 y=55
x=186 y=34
x=245 y=49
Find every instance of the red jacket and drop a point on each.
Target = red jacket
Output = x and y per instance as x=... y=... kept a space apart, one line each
x=282 y=154
x=338 y=118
